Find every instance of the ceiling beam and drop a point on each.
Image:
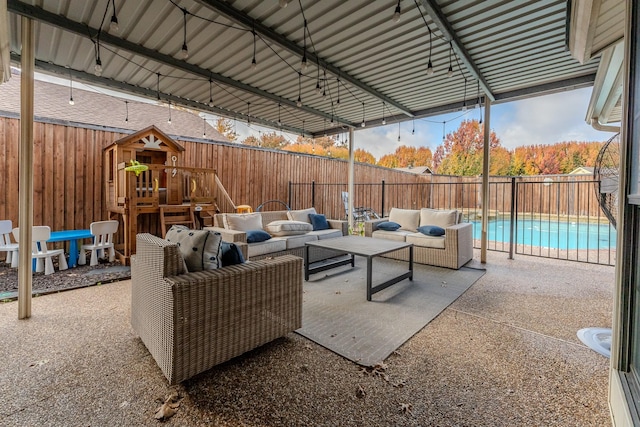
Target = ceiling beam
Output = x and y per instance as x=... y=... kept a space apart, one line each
x=226 y=10
x=152 y=94
x=438 y=18
x=83 y=30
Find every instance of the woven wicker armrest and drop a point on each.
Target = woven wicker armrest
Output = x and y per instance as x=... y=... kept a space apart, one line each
x=459 y=239
x=231 y=236
x=371 y=225
x=339 y=224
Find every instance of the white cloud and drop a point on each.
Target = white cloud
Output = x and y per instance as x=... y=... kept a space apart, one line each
x=545 y=120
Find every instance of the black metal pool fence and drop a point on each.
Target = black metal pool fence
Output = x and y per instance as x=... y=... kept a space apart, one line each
x=557 y=217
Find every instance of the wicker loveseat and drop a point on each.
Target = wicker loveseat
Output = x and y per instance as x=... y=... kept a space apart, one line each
x=191 y=322
x=280 y=244
x=451 y=250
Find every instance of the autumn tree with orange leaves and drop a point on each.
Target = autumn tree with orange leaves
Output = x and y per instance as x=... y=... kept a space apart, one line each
x=461 y=152
x=406 y=156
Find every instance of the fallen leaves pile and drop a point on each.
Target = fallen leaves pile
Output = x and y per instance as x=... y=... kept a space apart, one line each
x=169 y=408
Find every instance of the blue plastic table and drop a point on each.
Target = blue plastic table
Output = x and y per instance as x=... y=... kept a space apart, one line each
x=72 y=236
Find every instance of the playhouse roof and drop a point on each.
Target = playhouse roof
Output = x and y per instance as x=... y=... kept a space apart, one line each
x=145 y=134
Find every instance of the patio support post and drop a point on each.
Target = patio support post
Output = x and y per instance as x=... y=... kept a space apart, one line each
x=485 y=181
x=351 y=175
x=25 y=188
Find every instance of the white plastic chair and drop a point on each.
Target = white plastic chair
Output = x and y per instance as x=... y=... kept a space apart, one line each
x=103 y=240
x=5 y=239
x=44 y=257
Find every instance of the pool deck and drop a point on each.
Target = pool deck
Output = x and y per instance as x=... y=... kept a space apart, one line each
x=504 y=354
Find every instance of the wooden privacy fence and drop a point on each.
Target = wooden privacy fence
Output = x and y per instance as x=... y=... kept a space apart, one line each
x=69 y=188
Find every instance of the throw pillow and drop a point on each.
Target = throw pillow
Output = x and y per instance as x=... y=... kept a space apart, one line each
x=283 y=227
x=431 y=230
x=301 y=215
x=230 y=254
x=319 y=222
x=388 y=226
x=242 y=222
x=199 y=248
x=255 y=236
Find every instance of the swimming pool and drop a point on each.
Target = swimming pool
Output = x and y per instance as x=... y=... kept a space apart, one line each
x=551 y=234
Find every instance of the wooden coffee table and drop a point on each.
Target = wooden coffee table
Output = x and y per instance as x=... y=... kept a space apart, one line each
x=367 y=247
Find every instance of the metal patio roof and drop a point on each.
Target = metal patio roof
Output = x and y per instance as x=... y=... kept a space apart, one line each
x=367 y=65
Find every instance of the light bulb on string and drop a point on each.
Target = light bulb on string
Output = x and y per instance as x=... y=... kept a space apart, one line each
x=204 y=127
x=450 y=71
x=210 y=92
x=413 y=129
x=279 y=121
x=97 y=69
x=303 y=63
x=169 y=121
x=464 y=99
x=429 y=65
x=113 y=25
x=283 y=3
x=384 y=121
x=396 y=14
x=398 y=131
x=185 y=51
x=363 y=124
x=126 y=106
x=429 y=68
x=254 y=64
x=71 y=88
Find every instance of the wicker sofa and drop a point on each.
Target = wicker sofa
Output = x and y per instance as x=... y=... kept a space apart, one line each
x=281 y=245
x=452 y=250
x=191 y=322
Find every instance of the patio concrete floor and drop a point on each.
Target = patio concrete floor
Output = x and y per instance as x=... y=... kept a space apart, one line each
x=504 y=354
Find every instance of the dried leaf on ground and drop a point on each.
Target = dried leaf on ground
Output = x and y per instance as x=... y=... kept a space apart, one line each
x=406 y=408
x=360 y=393
x=169 y=408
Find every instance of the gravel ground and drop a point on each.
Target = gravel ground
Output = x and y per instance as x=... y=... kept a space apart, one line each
x=77 y=277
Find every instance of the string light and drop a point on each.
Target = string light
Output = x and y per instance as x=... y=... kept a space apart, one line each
x=302 y=134
x=398 y=131
x=169 y=121
x=384 y=121
x=283 y=3
x=299 y=101
x=303 y=64
x=478 y=95
x=443 y=129
x=413 y=129
x=332 y=113
x=184 y=51
x=464 y=99
x=363 y=124
x=97 y=69
x=210 y=93
x=113 y=25
x=248 y=114
x=318 y=88
x=450 y=72
x=70 y=88
x=396 y=14
x=204 y=127
x=279 y=121
x=158 y=86
x=324 y=84
x=429 y=65
x=254 y=64
x=126 y=107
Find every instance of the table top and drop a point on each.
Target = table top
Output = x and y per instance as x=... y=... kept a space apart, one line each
x=359 y=245
x=60 y=236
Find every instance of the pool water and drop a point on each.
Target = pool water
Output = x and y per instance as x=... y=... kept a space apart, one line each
x=551 y=234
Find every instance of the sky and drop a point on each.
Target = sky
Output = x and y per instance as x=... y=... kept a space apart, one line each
x=540 y=120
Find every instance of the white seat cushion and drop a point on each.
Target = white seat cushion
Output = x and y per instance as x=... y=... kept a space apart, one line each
x=275 y=244
x=409 y=219
x=326 y=234
x=419 y=239
x=398 y=235
x=439 y=217
x=298 y=241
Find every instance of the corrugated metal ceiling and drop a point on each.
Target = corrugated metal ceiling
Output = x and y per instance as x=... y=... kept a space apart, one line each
x=517 y=48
